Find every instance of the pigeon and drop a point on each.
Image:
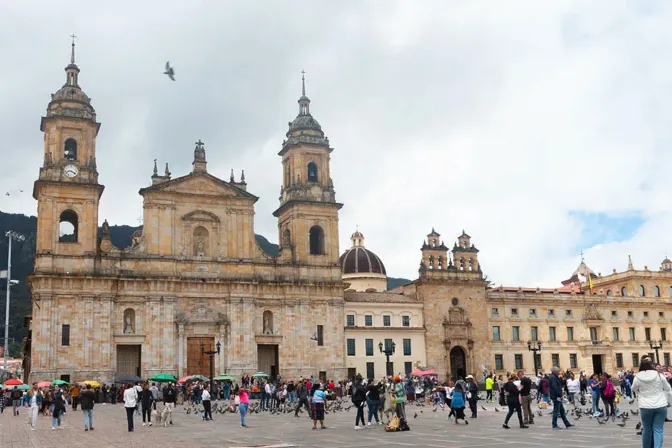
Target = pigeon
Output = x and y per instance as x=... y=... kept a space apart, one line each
x=169 y=71
x=639 y=425
x=540 y=414
x=622 y=425
x=634 y=412
x=483 y=407
x=639 y=433
x=601 y=422
x=496 y=410
x=631 y=401
x=415 y=415
x=434 y=410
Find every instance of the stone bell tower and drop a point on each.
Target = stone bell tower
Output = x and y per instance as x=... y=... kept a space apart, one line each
x=308 y=212
x=67 y=189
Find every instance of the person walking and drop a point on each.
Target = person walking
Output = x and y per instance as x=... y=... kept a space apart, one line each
x=400 y=399
x=555 y=391
x=113 y=393
x=169 y=400
x=574 y=390
x=74 y=395
x=205 y=399
x=472 y=395
x=488 y=388
x=130 y=402
x=458 y=400
x=608 y=395
x=16 y=396
x=653 y=396
x=86 y=399
x=318 y=407
x=594 y=386
x=244 y=399
x=58 y=407
x=146 y=400
x=526 y=398
x=359 y=399
x=373 y=400
x=302 y=397
x=155 y=394
x=513 y=401
x=33 y=400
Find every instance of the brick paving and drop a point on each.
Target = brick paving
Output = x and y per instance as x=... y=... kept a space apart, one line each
x=429 y=429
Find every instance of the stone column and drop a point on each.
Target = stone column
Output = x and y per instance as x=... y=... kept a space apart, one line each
x=221 y=337
x=180 y=342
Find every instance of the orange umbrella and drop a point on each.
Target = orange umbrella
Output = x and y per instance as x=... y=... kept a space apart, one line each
x=184 y=380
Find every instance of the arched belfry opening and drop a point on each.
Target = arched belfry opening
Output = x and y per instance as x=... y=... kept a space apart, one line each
x=70 y=149
x=312 y=172
x=68 y=227
x=316 y=240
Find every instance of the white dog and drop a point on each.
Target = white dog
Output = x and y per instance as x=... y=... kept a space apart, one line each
x=166 y=414
x=156 y=416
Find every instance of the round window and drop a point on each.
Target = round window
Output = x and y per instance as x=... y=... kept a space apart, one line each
x=455 y=301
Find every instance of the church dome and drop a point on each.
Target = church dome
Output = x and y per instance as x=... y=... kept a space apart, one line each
x=303 y=123
x=360 y=260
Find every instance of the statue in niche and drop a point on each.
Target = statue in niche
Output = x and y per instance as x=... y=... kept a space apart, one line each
x=129 y=321
x=268 y=322
x=200 y=241
x=200 y=246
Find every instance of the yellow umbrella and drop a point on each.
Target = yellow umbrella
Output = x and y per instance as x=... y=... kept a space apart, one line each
x=93 y=383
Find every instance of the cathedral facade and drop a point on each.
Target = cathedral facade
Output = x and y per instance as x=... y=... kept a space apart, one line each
x=194 y=279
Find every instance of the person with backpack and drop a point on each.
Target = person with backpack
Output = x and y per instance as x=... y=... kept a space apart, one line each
x=608 y=395
x=16 y=396
x=458 y=399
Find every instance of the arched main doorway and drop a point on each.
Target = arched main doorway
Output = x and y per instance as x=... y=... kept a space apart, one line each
x=458 y=363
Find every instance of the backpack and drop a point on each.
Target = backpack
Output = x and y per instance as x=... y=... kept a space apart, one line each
x=609 y=389
x=16 y=394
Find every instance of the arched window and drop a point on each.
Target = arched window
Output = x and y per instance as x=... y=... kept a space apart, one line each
x=312 y=172
x=70 y=149
x=316 y=240
x=609 y=292
x=439 y=260
x=624 y=291
x=267 y=321
x=656 y=291
x=201 y=241
x=461 y=263
x=129 y=321
x=471 y=264
x=286 y=239
x=67 y=227
x=642 y=291
x=431 y=262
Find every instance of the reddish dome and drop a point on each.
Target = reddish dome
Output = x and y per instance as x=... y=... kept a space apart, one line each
x=361 y=260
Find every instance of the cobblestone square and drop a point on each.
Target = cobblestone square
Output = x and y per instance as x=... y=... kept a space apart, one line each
x=428 y=429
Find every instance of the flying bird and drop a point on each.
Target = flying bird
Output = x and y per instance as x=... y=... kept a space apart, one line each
x=169 y=71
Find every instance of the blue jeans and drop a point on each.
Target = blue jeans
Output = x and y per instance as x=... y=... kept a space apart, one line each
x=373 y=409
x=88 y=418
x=596 y=400
x=56 y=421
x=242 y=408
x=652 y=427
x=559 y=409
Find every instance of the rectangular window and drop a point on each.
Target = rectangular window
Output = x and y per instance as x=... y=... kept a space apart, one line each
x=370 y=370
x=369 y=348
x=631 y=332
x=350 y=320
x=533 y=312
x=386 y=321
x=646 y=314
x=495 y=334
x=573 y=361
x=495 y=311
x=635 y=360
x=619 y=360
x=539 y=359
x=515 y=333
x=368 y=320
x=388 y=345
x=351 y=347
x=65 y=335
x=555 y=359
x=405 y=321
x=499 y=362
x=519 y=361
x=407 y=347
x=551 y=313
x=568 y=313
x=614 y=314
x=661 y=314
x=570 y=333
x=614 y=334
x=408 y=367
x=551 y=333
x=514 y=311
x=320 y=335
x=647 y=334
x=534 y=333
x=629 y=313
x=593 y=334
x=666 y=359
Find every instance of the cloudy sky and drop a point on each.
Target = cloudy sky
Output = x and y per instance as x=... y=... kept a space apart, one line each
x=541 y=128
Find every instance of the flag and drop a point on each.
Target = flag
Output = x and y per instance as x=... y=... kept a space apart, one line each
x=590 y=283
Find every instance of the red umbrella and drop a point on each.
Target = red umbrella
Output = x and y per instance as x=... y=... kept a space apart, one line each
x=184 y=380
x=13 y=382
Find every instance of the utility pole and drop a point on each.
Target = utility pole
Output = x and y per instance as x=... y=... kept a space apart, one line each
x=11 y=235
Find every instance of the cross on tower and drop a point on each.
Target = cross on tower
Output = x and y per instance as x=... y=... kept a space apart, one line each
x=581 y=256
x=74 y=36
x=199 y=144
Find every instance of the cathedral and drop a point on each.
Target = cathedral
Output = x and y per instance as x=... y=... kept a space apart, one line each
x=195 y=288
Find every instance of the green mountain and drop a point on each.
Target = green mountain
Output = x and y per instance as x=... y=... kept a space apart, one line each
x=23 y=257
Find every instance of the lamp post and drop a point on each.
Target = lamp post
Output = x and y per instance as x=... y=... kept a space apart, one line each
x=211 y=354
x=11 y=235
x=387 y=351
x=657 y=346
x=534 y=347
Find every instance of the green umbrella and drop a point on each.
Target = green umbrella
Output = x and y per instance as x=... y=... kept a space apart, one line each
x=164 y=378
x=225 y=378
x=260 y=375
x=20 y=387
x=59 y=383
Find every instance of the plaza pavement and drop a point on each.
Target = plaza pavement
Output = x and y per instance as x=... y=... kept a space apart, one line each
x=429 y=429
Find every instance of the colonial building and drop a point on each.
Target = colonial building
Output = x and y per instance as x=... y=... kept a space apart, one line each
x=194 y=276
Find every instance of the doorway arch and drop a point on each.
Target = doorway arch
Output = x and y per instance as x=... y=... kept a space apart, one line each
x=458 y=363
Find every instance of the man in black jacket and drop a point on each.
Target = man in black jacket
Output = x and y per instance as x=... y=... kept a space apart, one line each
x=169 y=400
x=556 y=397
x=86 y=399
x=302 y=398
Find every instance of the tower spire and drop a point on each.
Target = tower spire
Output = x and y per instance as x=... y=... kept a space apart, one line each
x=304 y=102
x=72 y=71
x=72 y=54
x=303 y=80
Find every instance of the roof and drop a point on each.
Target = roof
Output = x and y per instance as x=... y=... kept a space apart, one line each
x=358 y=259
x=377 y=297
x=239 y=192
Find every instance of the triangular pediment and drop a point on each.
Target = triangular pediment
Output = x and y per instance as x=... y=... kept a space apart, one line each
x=200 y=184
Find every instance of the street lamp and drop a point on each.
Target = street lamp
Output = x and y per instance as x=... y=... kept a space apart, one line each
x=657 y=346
x=11 y=235
x=534 y=346
x=211 y=354
x=387 y=351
